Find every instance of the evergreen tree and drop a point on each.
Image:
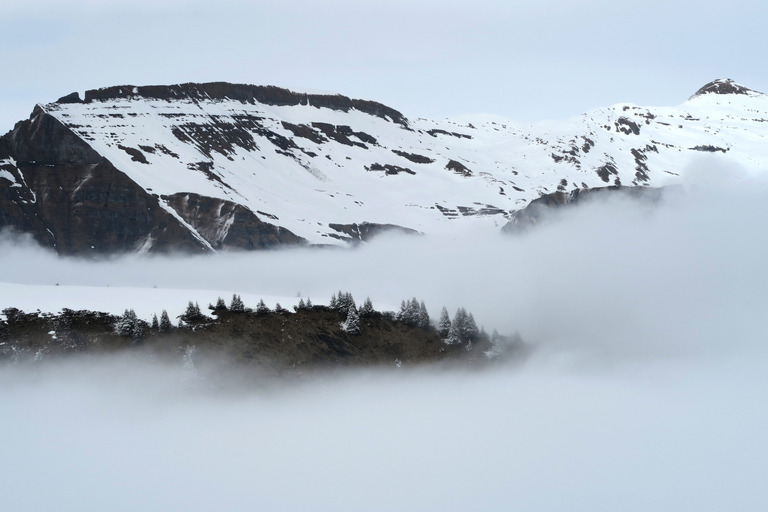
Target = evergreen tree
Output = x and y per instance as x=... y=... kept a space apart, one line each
x=155 y=323
x=465 y=326
x=453 y=336
x=137 y=330
x=501 y=344
x=423 y=316
x=129 y=325
x=237 y=305
x=280 y=309
x=444 y=324
x=471 y=332
x=165 y=322
x=192 y=314
x=459 y=324
x=261 y=307
x=343 y=301
x=302 y=305
x=126 y=324
x=352 y=323
x=367 y=308
x=334 y=302
x=411 y=313
x=220 y=304
x=402 y=315
x=309 y=303
x=460 y=317
x=351 y=301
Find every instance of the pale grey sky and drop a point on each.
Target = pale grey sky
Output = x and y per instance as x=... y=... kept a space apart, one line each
x=526 y=60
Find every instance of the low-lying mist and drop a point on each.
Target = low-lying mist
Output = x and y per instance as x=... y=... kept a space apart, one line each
x=127 y=435
x=611 y=278
x=645 y=390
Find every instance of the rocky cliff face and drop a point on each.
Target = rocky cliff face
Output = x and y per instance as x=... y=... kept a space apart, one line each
x=252 y=94
x=225 y=224
x=537 y=210
x=217 y=166
x=70 y=198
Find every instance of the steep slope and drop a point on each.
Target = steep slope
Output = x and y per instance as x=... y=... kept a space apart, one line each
x=72 y=199
x=240 y=166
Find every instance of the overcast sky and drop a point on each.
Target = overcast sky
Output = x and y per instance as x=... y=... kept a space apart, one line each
x=526 y=60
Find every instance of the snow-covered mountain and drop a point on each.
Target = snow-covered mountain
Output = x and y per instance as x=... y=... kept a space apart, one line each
x=212 y=166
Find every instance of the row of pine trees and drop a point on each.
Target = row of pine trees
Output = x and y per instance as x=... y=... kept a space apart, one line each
x=461 y=330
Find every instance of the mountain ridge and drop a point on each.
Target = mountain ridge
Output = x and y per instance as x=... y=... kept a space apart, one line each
x=265 y=94
x=218 y=166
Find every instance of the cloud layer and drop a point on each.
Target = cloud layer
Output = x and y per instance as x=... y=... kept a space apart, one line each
x=126 y=435
x=617 y=277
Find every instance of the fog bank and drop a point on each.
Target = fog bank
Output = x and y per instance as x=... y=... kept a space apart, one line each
x=133 y=436
x=645 y=391
x=611 y=279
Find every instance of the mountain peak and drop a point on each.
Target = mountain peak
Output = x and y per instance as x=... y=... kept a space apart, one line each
x=723 y=86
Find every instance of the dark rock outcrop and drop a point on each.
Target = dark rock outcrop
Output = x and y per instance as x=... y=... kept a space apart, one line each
x=435 y=132
x=414 y=157
x=71 y=199
x=723 y=86
x=227 y=225
x=389 y=169
x=458 y=168
x=365 y=231
x=536 y=211
x=268 y=95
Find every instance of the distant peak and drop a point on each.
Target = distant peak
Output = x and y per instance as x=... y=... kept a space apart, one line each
x=723 y=86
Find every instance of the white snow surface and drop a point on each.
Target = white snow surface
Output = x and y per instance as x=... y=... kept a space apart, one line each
x=8 y=176
x=116 y=299
x=510 y=163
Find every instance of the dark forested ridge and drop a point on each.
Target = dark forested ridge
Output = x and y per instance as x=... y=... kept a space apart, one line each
x=265 y=340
